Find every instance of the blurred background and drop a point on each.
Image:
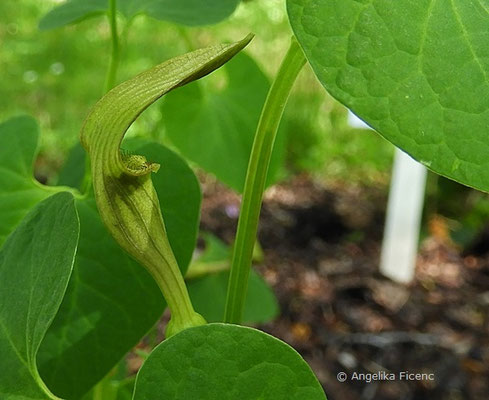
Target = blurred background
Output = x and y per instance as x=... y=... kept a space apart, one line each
x=322 y=222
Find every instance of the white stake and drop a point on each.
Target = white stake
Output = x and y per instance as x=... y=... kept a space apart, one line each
x=404 y=210
x=403 y=218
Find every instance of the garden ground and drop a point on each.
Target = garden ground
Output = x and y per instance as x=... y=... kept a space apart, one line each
x=322 y=249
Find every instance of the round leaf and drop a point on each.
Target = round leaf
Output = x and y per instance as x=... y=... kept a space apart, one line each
x=416 y=71
x=226 y=362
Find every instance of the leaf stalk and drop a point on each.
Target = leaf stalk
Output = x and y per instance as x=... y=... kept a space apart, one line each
x=256 y=175
x=115 y=53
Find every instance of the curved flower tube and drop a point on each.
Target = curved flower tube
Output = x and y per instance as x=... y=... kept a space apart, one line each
x=125 y=196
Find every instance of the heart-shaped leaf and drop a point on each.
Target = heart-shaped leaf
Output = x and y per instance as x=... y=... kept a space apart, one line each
x=35 y=265
x=185 y=12
x=71 y=12
x=416 y=71
x=111 y=302
x=226 y=362
x=213 y=123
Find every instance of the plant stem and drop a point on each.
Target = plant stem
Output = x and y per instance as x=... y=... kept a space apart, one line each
x=114 y=58
x=169 y=278
x=110 y=78
x=255 y=181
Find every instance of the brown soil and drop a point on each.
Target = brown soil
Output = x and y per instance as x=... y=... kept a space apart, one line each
x=321 y=258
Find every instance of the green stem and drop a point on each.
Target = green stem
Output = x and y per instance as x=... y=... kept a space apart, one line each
x=255 y=181
x=110 y=78
x=114 y=58
x=172 y=284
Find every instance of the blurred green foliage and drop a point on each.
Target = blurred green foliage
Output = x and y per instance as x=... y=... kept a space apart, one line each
x=57 y=75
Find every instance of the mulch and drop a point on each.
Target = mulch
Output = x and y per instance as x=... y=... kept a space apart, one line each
x=322 y=248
